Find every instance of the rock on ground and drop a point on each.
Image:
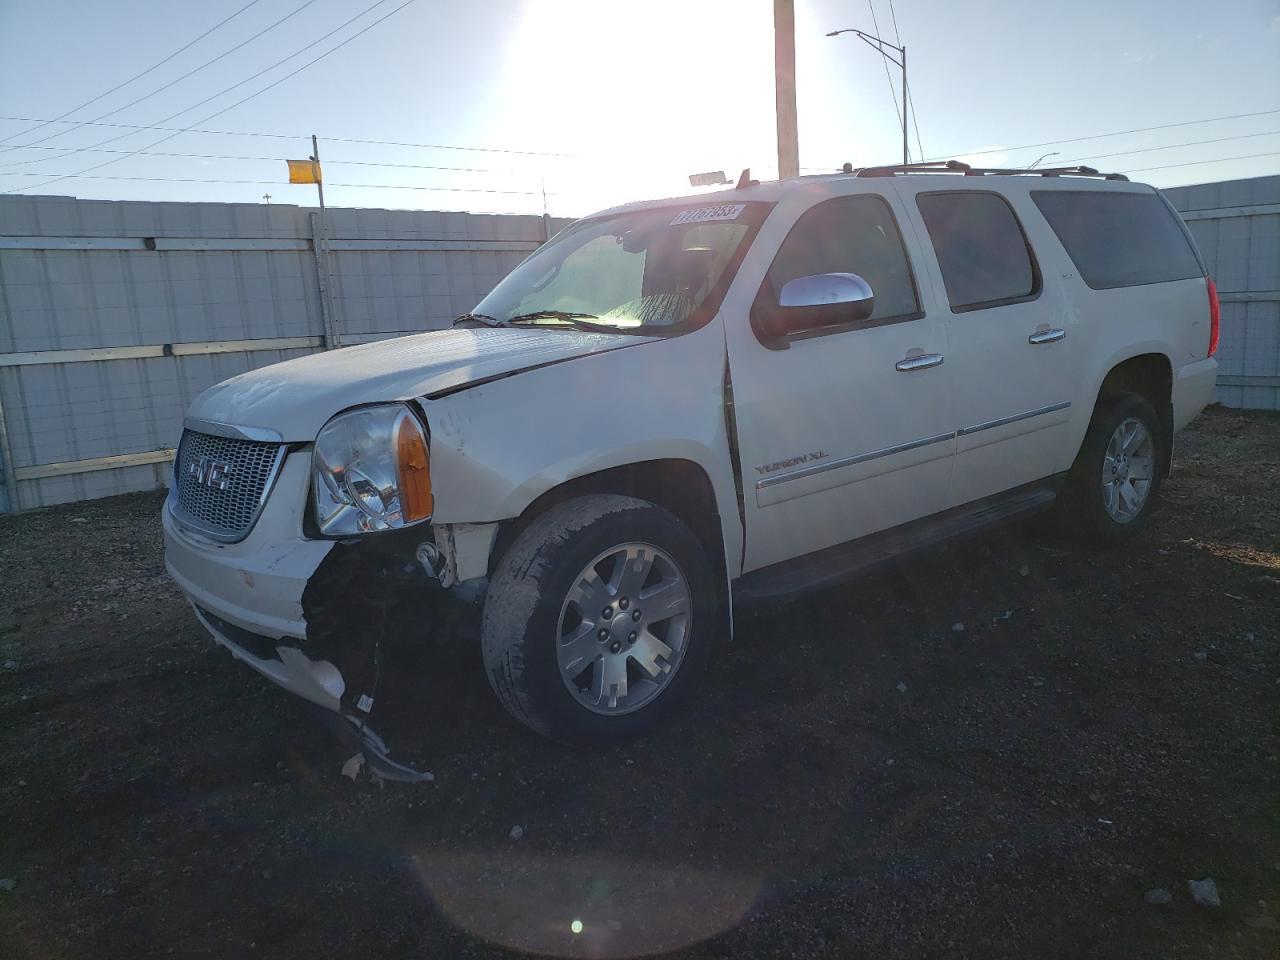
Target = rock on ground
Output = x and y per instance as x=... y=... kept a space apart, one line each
x=1204 y=892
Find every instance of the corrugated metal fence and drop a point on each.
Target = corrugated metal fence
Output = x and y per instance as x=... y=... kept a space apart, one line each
x=1237 y=226
x=113 y=315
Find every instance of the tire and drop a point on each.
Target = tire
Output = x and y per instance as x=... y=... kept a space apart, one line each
x=1112 y=509
x=536 y=632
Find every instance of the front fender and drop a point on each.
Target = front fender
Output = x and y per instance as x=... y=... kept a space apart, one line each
x=498 y=446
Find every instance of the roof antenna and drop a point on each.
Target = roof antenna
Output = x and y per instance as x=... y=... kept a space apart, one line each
x=745 y=180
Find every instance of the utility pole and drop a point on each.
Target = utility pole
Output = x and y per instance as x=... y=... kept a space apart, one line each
x=784 y=79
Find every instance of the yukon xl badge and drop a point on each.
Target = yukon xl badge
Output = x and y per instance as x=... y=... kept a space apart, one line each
x=793 y=461
x=210 y=473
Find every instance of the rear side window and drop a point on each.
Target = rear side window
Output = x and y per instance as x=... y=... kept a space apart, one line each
x=1119 y=239
x=982 y=251
x=851 y=235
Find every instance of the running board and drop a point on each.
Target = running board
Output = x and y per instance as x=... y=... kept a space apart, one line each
x=817 y=571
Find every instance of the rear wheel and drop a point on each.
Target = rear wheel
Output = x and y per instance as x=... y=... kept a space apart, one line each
x=1116 y=476
x=598 y=619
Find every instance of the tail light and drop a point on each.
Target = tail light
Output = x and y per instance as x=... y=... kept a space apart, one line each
x=1215 y=316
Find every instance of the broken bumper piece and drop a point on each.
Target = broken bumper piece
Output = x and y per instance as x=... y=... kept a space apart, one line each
x=317 y=681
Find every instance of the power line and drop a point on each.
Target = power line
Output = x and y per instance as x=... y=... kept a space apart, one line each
x=885 y=62
x=327 y=162
x=906 y=90
x=438 y=146
x=1172 y=146
x=915 y=121
x=166 y=86
x=1192 y=163
x=1099 y=136
x=297 y=136
x=897 y=37
x=1166 y=166
x=277 y=183
x=200 y=103
x=136 y=76
x=269 y=86
x=1096 y=136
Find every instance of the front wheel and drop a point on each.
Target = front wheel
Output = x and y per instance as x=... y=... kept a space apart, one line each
x=1116 y=476
x=598 y=619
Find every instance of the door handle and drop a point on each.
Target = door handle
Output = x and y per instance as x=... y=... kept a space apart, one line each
x=920 y=362
x=1047 y=336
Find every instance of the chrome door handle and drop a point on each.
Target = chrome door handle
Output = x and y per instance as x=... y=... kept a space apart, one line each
x=922 y=362
x=1047 y=336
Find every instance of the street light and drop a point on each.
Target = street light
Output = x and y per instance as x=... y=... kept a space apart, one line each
x=882 y=47
x=1035 y=163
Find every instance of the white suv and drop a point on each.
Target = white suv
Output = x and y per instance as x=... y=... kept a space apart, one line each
x=678 y=406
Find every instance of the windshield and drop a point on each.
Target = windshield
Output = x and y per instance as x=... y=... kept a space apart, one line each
x=651 y=269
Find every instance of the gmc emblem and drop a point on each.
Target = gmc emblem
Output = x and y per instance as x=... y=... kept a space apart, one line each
x=209 y=472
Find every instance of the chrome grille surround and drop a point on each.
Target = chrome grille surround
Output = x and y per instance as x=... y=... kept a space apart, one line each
x=247 y=470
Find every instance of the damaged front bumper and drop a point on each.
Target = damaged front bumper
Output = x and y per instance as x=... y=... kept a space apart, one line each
x=340 y=624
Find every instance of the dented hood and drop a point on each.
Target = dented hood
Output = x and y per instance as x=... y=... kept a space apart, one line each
x=296 y=397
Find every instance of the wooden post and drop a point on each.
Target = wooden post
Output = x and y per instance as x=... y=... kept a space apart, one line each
x=784 y=78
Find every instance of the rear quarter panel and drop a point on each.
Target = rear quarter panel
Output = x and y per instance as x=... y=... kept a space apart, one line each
x=1115 y=325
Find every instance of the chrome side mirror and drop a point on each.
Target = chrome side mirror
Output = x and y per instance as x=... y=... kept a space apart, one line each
x=823 y=300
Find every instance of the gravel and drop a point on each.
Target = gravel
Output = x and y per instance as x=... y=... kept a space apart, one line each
x=764 y=821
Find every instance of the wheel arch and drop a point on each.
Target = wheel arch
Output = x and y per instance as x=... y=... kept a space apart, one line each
x=1149 y=375
x=676 y=484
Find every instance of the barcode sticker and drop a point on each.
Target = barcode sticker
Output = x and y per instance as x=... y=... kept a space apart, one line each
x=721 y=211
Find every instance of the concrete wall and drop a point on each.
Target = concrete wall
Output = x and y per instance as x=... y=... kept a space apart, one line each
x=113 y=315
x=1237 y=226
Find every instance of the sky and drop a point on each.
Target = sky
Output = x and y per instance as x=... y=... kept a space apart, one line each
x=569 y=106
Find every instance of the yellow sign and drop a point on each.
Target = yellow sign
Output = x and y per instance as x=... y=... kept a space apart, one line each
x=304 y=171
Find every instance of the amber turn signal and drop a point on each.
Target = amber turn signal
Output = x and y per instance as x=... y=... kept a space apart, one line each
x=416 y=500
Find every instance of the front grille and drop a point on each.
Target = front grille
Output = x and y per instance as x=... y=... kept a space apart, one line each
x=222 y=482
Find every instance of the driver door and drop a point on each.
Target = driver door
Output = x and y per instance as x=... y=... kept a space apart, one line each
x=846 y=430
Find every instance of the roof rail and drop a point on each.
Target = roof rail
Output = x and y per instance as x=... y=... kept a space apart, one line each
x=956 y=166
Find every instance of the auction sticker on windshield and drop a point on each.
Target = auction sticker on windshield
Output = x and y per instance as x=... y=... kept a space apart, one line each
x=722 y=211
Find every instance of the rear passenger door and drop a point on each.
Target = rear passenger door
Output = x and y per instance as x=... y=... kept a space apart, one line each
x=1009 y=337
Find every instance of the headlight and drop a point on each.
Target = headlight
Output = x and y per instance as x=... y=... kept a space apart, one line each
x=370 y=472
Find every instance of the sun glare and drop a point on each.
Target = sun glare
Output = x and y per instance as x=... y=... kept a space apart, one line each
x=646 y=95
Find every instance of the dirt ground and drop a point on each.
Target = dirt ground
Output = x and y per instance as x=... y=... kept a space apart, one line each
x=857 y=777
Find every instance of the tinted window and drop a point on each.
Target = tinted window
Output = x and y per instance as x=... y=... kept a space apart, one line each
x=981 y=249
x=851 y=235
x=1119 y=239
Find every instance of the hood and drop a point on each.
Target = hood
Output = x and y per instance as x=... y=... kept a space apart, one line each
x=297 y=397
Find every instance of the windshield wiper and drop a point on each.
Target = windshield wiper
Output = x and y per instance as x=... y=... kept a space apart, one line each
x=579 y=321
x=483 y=318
